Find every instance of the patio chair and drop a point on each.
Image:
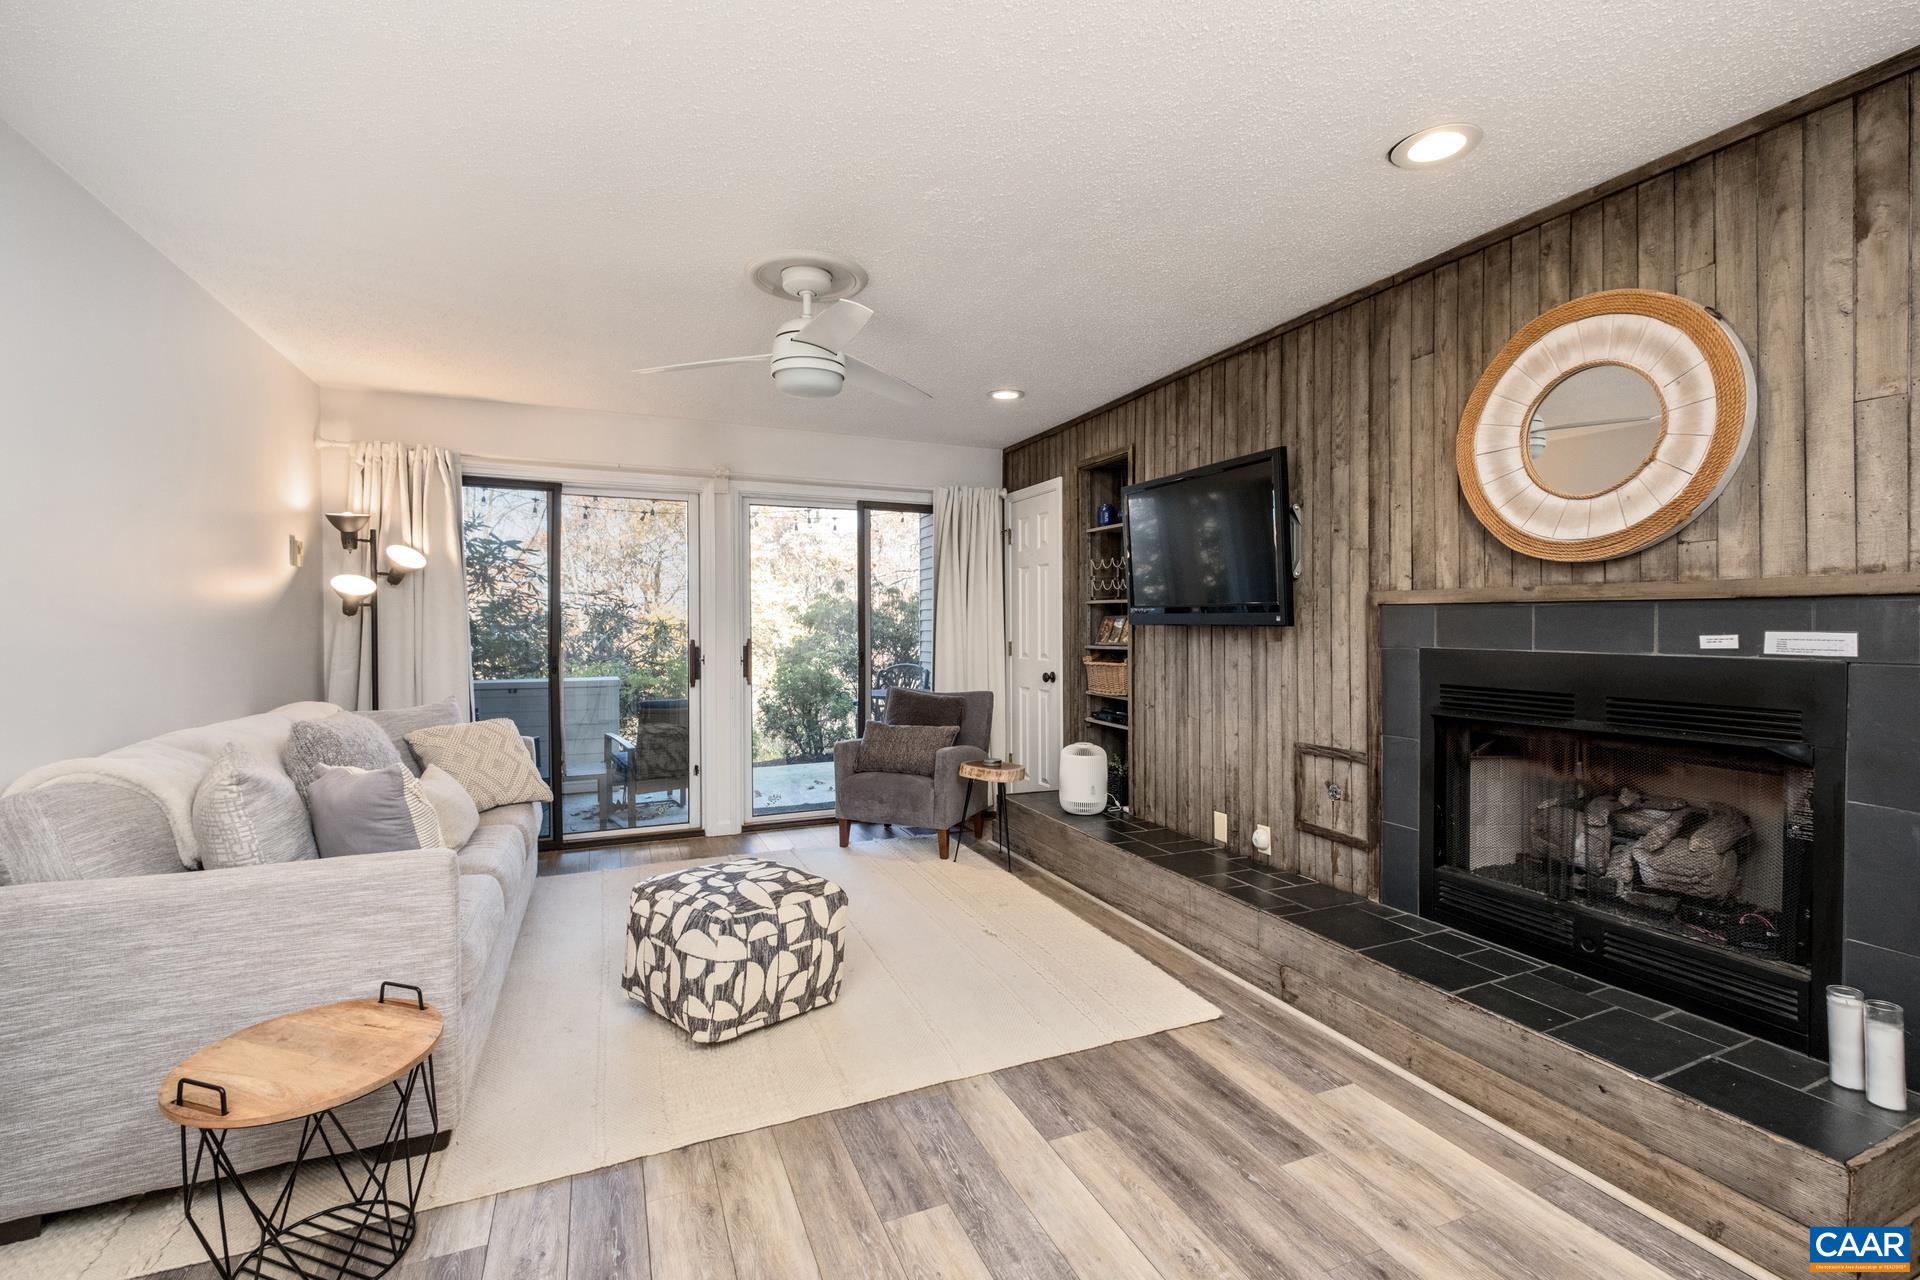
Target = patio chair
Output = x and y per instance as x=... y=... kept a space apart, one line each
x=656 y=759
x=898 y=675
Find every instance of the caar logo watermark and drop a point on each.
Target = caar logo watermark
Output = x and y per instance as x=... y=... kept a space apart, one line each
x=1883 y=1249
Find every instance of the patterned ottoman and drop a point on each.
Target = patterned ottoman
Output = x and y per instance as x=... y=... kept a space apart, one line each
x=720 y=951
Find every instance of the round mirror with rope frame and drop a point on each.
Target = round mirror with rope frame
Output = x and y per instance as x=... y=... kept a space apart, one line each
x=1637 y=459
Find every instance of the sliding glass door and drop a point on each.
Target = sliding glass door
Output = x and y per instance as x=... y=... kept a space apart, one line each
x=626 y=607
x=583 y=608
x=508 y=532
x=802 y=661
x=839 y=614
x=896 y=602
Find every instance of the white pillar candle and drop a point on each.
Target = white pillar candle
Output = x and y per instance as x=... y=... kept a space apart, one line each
x=1886 y=1055
x=1846 y=1037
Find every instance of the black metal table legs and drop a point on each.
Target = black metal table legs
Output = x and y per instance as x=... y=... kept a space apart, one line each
x=960 y=837
x=1000 y=826
x=999 y=823
x=358 y=1239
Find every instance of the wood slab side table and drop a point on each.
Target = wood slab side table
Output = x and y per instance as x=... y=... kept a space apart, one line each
x=991 y=774
x=303 y=1066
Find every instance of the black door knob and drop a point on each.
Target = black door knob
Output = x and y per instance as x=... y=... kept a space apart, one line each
x=1048 y=677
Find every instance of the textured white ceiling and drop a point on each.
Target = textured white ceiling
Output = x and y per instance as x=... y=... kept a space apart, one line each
x=523 y=200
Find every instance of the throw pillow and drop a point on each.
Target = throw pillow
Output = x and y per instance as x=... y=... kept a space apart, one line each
x=339 y=739
x=246 y=813
x=913 y=706
x=900 y=748
x=487 y=758
x=459 y=816
x=401 y=721
x=370 y=811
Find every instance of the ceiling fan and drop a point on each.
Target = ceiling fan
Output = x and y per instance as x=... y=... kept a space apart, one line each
x=809 y=357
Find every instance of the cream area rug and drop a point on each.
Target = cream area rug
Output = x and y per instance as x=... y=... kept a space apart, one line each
x=953 y=969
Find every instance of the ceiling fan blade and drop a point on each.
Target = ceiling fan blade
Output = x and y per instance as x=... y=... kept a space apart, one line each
x=834 y=328
x=868 y=378
x=702 y=364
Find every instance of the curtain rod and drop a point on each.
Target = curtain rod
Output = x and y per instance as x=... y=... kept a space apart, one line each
x=701 y=473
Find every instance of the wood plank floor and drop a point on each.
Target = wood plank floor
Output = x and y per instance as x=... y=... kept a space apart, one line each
x=1249 y=1147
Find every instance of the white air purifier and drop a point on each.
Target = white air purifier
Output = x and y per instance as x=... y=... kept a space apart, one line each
x=1083 y=778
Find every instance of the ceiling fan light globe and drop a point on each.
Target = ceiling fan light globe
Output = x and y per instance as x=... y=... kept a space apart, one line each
x=809 y=383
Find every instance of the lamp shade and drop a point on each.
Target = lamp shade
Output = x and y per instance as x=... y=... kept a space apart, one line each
x=349 y=524
x=354 y=590
x=401 y=561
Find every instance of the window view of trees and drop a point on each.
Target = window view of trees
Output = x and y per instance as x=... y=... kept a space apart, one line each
x=806 y=654
x=806 y=631
x=900 y=596
x=624 y=596
x=505 y=531
x=808 y=704
x=625 y=591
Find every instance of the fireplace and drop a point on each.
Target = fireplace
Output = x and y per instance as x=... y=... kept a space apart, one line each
x=1665 y=824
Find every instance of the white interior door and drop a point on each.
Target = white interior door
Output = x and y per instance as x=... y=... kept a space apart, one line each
x=1034 y=634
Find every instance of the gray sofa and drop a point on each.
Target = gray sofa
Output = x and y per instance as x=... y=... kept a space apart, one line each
x=911 y=799
x=132 y=961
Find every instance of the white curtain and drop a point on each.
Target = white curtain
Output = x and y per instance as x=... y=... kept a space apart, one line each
x=969 y=597
x=413 y=494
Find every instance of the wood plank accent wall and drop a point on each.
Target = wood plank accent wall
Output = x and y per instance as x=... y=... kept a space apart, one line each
x=1803 y=234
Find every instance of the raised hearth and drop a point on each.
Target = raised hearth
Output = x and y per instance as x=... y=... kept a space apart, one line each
x=1779 y=1090
x=1734 y=1135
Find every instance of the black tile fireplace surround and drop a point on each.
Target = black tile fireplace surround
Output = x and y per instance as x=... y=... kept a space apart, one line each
x=1832 y=880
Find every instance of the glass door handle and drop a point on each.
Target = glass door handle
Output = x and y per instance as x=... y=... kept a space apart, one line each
x=746 y=662
x=693 y=663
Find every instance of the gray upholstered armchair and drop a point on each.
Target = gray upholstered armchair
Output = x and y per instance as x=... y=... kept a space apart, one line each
x=911 y=799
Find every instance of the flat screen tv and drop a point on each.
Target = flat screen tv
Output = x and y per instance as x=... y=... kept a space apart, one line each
x=1213 y=546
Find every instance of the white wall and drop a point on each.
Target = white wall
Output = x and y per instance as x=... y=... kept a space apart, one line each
x=488 y=428
x=156 y=454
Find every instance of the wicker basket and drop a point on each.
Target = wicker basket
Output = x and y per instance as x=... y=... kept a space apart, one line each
x=1106 y=677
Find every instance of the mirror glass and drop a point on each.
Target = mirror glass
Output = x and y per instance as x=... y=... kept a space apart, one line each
x=1594 y=429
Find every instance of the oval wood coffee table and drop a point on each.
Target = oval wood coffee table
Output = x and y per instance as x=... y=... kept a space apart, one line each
x=980 y=771
x=303 y=1066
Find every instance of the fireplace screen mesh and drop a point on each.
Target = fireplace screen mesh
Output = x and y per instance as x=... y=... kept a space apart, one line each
x=1703 y=842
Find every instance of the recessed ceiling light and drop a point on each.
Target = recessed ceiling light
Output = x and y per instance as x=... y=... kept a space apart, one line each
x=1435 y=146
x=1006 y=393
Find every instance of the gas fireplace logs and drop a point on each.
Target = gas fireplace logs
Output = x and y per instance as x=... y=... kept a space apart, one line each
x=1637 y=846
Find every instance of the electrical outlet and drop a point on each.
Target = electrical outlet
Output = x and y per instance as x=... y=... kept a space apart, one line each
x=1219 y=827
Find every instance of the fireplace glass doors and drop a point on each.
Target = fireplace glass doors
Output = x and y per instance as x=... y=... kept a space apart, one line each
x=1670 y=825
x=1704 y=844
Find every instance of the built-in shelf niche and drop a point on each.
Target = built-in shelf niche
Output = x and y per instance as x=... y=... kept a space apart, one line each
x=1103 y=558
